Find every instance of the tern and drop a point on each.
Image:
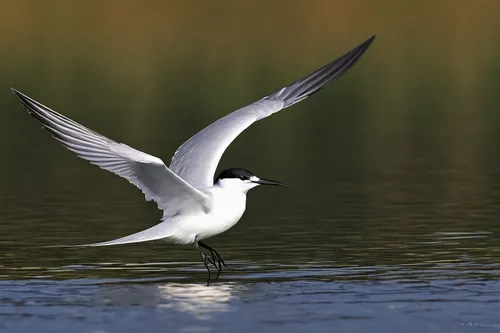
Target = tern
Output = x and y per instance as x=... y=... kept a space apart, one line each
x=195 y=204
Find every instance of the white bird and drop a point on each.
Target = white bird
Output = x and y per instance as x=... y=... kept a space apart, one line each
x=195 y=205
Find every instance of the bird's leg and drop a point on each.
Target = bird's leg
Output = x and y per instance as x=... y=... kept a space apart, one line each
x=205 y=259
x=214 y=260
x=219 y=258
x=215 y=256
x=212 y=253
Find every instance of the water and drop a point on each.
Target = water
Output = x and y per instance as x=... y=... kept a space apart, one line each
x=348 y=247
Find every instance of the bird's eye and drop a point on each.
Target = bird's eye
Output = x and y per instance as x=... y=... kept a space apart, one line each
x=242 y=177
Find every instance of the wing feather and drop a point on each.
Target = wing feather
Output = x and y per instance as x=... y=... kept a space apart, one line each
x=196 y=159
x=147 y=172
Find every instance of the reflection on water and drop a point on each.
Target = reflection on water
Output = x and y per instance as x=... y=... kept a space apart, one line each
x=200 y=300
x=375 y=299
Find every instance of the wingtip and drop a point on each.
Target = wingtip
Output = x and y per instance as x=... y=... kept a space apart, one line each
x=365 y=45
x=369 y=40
x=25 y=100
x=19 y=94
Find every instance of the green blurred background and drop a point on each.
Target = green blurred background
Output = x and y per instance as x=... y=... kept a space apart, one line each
x=410 y=131
x=119 y=66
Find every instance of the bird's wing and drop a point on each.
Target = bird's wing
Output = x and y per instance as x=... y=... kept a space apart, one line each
x=196 y=159
x=145 y=171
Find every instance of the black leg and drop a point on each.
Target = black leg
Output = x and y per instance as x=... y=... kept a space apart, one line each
x=219 y=258
x=215 y=255
x=215 y=258
x=205 y=259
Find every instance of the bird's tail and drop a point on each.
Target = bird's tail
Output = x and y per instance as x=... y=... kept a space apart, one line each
x=159 y=231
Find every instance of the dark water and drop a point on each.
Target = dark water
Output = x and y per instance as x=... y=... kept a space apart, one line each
x=386 y=227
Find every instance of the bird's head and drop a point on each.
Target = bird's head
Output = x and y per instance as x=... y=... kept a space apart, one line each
x=241 y=179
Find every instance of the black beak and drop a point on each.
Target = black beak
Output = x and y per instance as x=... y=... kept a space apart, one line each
x=269 y=182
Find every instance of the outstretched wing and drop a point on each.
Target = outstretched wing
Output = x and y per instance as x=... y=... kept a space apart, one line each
x=145 y=171
x=196 y=160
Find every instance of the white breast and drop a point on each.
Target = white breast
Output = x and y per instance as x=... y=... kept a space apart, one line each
x=228 y=207
x=226 y=210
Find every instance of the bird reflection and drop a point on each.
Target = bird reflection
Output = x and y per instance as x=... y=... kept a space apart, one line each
x=199 y=300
